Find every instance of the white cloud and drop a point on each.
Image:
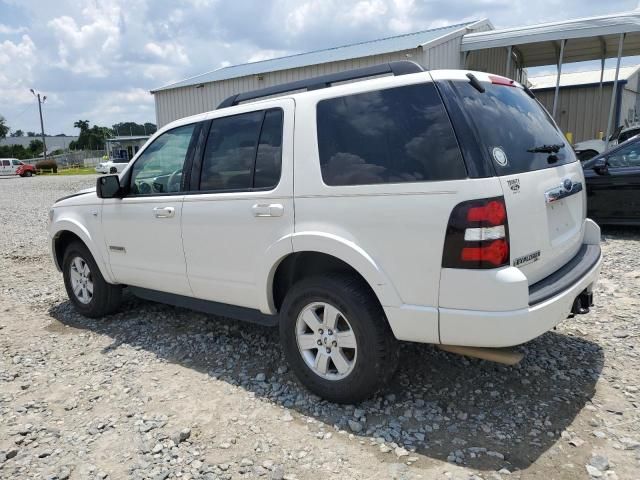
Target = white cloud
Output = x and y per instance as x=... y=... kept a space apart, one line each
x=168 y=51
x=17 y=61
x=85 y=48
x=7 y=30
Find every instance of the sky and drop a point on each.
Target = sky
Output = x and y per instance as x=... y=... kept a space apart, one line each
x=97 y=60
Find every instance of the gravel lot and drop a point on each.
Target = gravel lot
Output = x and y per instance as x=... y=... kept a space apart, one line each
x=160 y=392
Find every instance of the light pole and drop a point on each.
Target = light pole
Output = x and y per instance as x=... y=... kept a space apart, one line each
x=40 y=102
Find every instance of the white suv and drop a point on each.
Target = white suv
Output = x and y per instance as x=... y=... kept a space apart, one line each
x=438 y=207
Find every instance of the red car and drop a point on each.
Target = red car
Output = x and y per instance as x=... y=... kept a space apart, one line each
x=13 y=166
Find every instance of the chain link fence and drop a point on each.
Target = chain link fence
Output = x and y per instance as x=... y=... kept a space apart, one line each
x=82 y=158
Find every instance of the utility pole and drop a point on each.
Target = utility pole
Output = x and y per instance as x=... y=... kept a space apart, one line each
x=40 y=102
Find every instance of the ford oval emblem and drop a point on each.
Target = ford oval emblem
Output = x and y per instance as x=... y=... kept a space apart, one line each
x=567 y=183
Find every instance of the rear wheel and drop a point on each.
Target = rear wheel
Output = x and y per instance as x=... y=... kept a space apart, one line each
x=336 y=338
x=87 y=289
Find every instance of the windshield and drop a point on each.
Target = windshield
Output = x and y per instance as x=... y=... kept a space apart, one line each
x=517 y=133
x=627 y=134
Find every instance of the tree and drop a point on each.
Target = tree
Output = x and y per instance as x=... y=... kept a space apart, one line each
x=36 y=147
x=83 y=125
x=18 y=133
x=90 y=138
x=14 y=151
x=133 y=128
x=4 y=128
x=31 y=134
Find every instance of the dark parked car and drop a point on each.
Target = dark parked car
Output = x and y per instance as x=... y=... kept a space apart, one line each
x=613 y=184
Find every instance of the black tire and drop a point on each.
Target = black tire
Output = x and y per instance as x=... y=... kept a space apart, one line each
x=105 y=298
x=27 y=173
x=377 y=348
x=113 y=170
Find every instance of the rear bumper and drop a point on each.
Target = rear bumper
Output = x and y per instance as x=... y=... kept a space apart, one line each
x=513 y=327
x=501 y=309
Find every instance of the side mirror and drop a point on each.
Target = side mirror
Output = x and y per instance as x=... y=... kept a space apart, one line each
x=109 y=187
x=601 y=168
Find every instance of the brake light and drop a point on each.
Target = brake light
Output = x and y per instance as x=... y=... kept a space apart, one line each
x=494 y=253
x=477 y=235
x=493 y=212
x=498 y=80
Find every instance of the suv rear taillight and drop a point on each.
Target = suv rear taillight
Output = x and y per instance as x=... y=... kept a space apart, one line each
x=477 y=235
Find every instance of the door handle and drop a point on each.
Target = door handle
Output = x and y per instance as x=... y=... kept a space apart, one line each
x=164 y=212
x=267 y=210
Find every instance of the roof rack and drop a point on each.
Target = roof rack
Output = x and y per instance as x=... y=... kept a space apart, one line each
x=402 y=67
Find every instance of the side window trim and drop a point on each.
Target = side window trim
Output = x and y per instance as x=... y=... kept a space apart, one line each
x=198 y=163
x=186 y=169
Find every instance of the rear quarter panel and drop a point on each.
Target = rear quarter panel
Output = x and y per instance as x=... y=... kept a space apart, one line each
x=401 y=227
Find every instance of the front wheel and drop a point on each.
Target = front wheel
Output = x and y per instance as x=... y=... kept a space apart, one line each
x=87 y=289
x=28 y=173
x=336 y=338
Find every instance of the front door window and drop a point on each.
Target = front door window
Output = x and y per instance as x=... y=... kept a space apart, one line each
x=158 y=170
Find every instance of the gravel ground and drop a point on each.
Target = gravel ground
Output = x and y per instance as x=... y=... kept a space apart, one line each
x=160 y=392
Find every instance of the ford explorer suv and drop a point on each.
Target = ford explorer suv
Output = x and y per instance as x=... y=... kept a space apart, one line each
x=13 y=166
x=440 y=207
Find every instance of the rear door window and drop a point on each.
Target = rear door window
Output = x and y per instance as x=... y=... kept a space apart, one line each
x=395 y=135
x=508 y=124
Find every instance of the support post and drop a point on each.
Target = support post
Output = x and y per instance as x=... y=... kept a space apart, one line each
x=463 y=60
x=44 y=141
x=614 y=91
x=508 y=67
x=600 y=90
x=555 y=95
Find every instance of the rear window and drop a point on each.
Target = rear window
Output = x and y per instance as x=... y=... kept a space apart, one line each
x=387 y=136
x=509 y=123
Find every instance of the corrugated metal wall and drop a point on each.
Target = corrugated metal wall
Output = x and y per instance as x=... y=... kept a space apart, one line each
x=444 y=55
x=182 y=102
x=494 y=60
x=578 y=110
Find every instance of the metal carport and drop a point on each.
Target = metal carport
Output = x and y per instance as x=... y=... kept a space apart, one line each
x=579 y=40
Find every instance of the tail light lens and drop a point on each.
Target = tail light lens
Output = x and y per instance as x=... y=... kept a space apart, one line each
x=477 y=235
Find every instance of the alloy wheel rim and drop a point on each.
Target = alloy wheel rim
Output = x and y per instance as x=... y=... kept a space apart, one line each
x=81 y=280
x=326 y=341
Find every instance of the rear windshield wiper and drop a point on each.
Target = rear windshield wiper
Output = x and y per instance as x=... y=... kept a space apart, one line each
x=553 y=148
x=475 y=83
